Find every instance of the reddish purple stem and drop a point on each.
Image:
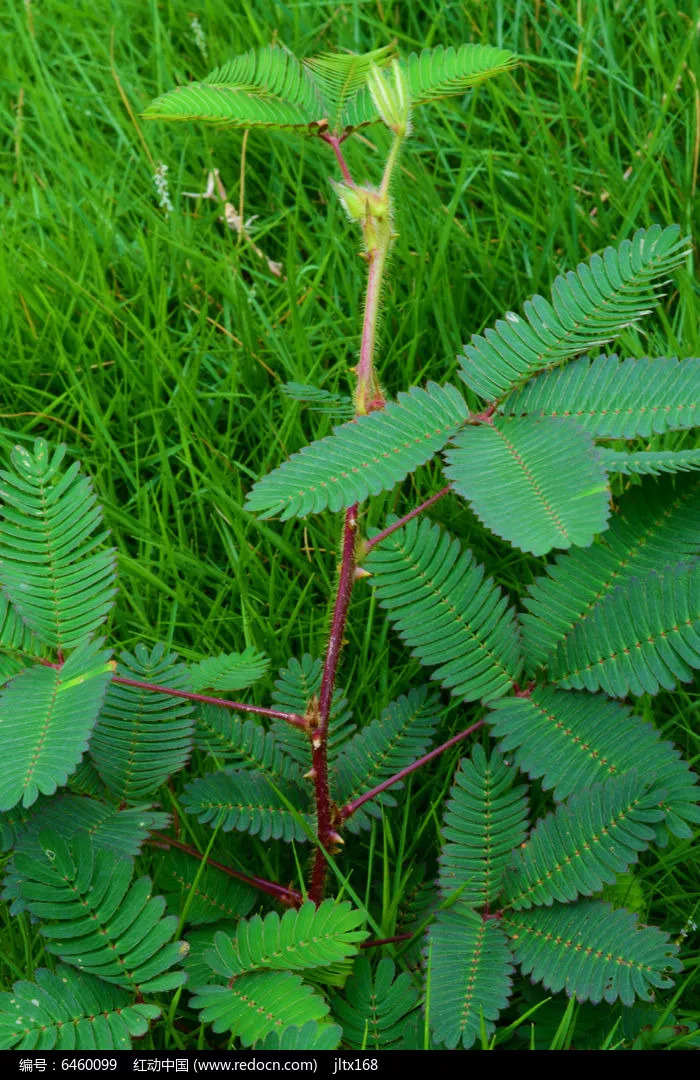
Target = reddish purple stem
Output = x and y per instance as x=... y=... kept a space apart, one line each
x=280 y=892
x=349 y=809
x=291 y=718
x=340 y=613
x=334 y=141
x=319 y=738
x=369 y=544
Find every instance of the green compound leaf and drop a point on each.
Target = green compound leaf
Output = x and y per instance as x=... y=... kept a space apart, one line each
x=310 y=1036
x=445 y=609
x=612 y=398
x=297 y=683
x=257 y=1004
x=230 y=671
x=308 y=938
x=572 y=740
x=70 y=1011
x=443 y=72
x=123 y=832
x=485 y=818
x=95 y=919
x=143 y=737
x=649 y=462
x=249 y=802
x=585 y=843
x=434 y=74
x=589 y=307
x=19 y=647
x=227 y=736
x=643 y=635
x=207 y=896
x=403 y=733
x=470 y=975
x=58 y=579
x=362 y=458
x=270 y=87
x=657 y=524
x=342 y=79
x=265 y=87
x=374 y=1008
x=534 y=481
x=46 y=716
x=319 y=400
x=591 y=951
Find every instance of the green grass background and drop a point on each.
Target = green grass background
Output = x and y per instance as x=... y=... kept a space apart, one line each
x=154 y=344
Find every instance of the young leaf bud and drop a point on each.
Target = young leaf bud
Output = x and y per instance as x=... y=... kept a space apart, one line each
x=361 y=203
x=391 y=98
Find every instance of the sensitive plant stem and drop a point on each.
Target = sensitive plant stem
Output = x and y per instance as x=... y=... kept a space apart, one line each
x=280 y=892
x=340 y=613
x=349 y=809
x=275 y=714
x=378 y=236
x=366 y=382
x=319 y=738
x=385 y=941
x=369 y=544
x=334 y=141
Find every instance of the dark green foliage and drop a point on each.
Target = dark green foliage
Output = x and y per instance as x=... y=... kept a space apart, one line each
x=649 y=462
x=319 y=400
x=470 y=968
x=17 y=642
x=202 y=893
x=48 y=715
x=297 y=683
x=642 y=635
x=612 y=398
x=308 y=938
x=362 y=458
x=591 y=951
x=177 y=407
x=656 y=525
x=588 y=307
x=231 y=671
x=70 y=1011
x=256 y=1005
x=310 y=1036
x=225 y=735
x=584 y=844
x=572 y=740
x=122 y=832
x=95 y=919
x=375 y=1006
x=452 y=617
x=485 y=819
x=54 y=571
x=510 y=472
x=403 y=733
x=249 y=802
x=143 y=737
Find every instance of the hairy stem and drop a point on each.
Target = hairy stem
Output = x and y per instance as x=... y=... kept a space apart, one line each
x=275 y=714
x=377 y=231
x=349 y=809
x=280 y=892
x=369 y=544
x=340 y=612
x=366 y=388
x=319 y=738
